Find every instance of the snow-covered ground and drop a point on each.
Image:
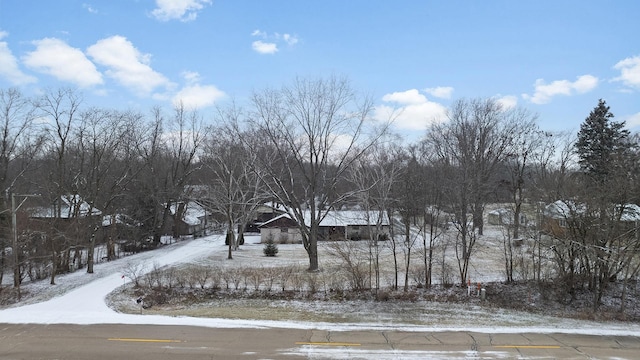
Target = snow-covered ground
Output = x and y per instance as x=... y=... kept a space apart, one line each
x=79 y=298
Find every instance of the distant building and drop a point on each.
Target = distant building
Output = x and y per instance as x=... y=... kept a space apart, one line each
x=560 y=215
x=336 y=225
x=65 y=207
x=189 y=218
x=505 y=216
x=281 y=229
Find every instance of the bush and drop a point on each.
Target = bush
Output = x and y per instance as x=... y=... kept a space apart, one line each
x=270 y=247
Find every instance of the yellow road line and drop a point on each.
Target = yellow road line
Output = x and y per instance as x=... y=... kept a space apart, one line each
x=529 y=346
x=145 y=340
x=327 y=343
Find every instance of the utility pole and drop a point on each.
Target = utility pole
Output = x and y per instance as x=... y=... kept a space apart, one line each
x=14 y=249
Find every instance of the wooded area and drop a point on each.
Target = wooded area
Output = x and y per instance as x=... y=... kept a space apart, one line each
x=311 y=146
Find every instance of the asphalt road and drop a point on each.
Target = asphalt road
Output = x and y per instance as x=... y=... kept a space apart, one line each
x=155 y=342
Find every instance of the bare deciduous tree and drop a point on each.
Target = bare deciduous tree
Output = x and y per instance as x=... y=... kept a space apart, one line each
x=235 y=186
x=474 y=140
x=19 y=143
x=376 y=173
x=170 y=154
x=315 y=130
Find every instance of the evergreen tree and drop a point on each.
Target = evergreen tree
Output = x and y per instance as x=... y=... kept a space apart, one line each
x=606 y=157
x=603 y=145
x=270 y=247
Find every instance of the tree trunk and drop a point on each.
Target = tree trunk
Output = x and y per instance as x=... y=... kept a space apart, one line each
x=312 y=246
x=407 y=229
x=91 y=251
x=2 y=262
x=508 y=258
x=313 y=259
x=429 y=278
x=111 y=249
x=425 y=260
x=393 y=249
x=230 y=240
x=90 y=255
x=162 y=229
x=54 y=266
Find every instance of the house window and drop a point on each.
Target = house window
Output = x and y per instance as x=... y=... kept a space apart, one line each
x=284 y=230
x=562 y=223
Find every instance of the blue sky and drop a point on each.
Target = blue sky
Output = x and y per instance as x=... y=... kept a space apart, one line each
x=555 y=58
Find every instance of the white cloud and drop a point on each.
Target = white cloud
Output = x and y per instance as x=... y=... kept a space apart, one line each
x=629 y=71
x=258 y=32
x=544 y=92
x=290 y=39
x=585 y=83
x=270 y=43
x=507 y=102
x=633 y=120
x=415 y=111
x=56 y=58
x=264 y=47
x=9 y=65
x=191 y=77
x=127 y=65
x=443 y=92
x=89 y=8
x=409 y=97
x=196 y=96
x=183 y=10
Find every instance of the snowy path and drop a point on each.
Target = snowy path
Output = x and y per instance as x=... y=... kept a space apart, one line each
x=86 y=304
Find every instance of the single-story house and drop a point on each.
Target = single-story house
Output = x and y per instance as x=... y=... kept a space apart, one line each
x=351 y=224
x=558 y=215
x=336 y=225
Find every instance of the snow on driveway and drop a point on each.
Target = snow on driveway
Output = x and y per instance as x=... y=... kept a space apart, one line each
x=86 y=304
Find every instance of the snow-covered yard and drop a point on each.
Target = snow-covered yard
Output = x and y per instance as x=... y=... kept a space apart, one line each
x=79 y=298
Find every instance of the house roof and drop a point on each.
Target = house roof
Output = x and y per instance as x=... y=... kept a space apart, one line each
x=70 y=205
x=501 y=212
x=340 y=218
x=192 y=214
x=561 y=209
x=630 y=212
x=350 y=218
x=275 y=220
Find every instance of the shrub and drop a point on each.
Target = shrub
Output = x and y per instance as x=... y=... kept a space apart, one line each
x=270 y=247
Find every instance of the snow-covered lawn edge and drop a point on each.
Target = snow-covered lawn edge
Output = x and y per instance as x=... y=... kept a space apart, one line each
x=86 y=305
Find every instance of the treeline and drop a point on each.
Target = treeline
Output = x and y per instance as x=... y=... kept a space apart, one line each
x=313 y=146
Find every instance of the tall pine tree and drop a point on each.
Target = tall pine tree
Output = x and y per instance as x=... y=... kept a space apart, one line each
x=603 y=145
x=606 y=158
